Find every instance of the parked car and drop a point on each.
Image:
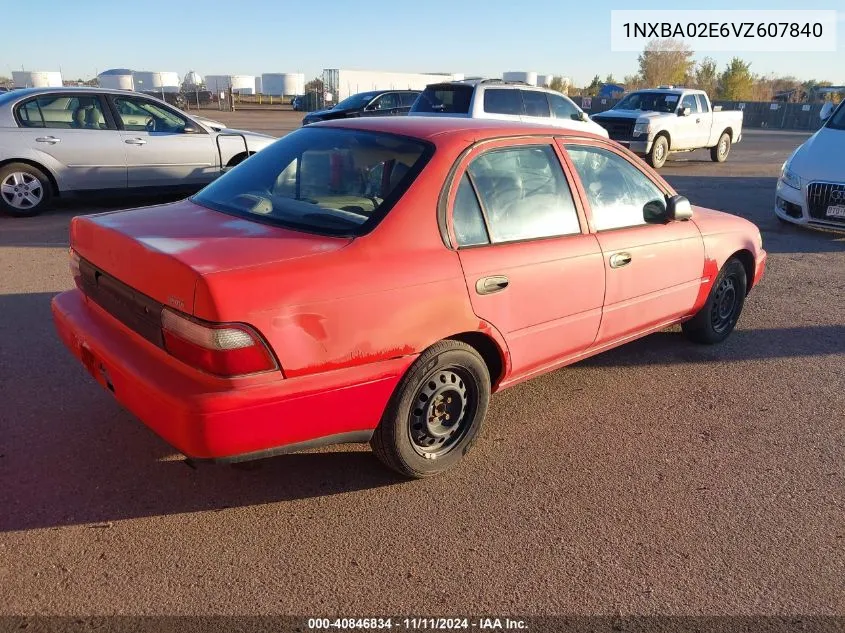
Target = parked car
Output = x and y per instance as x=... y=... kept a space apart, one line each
x=64 y=141
x=376 y=279
x=504 y=101
x=298 y=103
x=372 y=103
x=811 y=187
x=655 y=123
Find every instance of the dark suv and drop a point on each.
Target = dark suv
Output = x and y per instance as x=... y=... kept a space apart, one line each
x=373 y=103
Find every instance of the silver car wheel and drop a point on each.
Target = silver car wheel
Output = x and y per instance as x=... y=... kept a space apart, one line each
x=22 y=190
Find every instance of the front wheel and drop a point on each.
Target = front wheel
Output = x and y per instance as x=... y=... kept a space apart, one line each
x=435 y=414
x=24 y=190
x=719 y=153
x=720 y=313
x=659 y=152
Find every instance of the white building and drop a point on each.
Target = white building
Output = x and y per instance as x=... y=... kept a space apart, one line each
x=343 y=83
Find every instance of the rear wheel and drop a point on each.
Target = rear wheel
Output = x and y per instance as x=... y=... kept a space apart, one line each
x=720 y=313
x=659 y=152
x=24 y=190
x=719 y=153
x=435 y=414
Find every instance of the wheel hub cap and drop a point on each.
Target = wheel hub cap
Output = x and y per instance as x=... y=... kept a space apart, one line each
x=21 y=190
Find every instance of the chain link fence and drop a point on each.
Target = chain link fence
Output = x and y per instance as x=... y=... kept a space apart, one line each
x=779 y=116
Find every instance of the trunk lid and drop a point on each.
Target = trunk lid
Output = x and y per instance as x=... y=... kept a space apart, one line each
x=162 y=251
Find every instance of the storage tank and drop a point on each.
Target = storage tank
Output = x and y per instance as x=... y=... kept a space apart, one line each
x=116 y=78
x=545 y=80
x=163 y=81
x=529 y=77
x=218 y=83
x=243 y=84
x=259 y=85
x=36 y=79
x=192 y=80
x=283 y=84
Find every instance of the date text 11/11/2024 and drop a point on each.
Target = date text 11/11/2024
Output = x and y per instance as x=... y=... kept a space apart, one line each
x=417 y=624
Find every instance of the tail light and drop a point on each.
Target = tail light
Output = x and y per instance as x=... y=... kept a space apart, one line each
x=222 y=349
x=74 y=260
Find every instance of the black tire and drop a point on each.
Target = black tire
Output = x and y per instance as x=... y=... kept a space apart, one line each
x=25 y=190
x=720 y=313
x=416 y=436
x=719 y=153
x=659 y=152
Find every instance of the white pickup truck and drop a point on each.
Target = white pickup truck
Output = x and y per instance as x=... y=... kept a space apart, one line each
x=658 y=121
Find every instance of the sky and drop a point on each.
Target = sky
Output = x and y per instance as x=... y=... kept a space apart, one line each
x=560 y=37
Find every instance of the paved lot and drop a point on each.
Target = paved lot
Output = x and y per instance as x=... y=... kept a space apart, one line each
x=658 y=478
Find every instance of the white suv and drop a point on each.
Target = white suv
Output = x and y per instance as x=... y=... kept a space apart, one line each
x=507 y=101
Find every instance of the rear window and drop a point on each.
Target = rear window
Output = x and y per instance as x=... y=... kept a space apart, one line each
x=321 y=180
x=444 y=99
x=498 y=101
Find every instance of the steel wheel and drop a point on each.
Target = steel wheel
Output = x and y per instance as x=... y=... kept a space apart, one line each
x=21 y=190
x=442 y=407
x=722 y=314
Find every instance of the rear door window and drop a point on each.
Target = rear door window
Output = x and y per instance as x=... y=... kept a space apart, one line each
x=524 y=194
x=535 y=103
x=408 y=99
x=503 y=101
x=444 y=99
x=73 y=112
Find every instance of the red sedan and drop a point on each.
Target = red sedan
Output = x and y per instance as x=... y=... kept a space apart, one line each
x=377 y=279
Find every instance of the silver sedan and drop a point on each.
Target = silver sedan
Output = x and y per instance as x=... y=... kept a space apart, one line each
x=63 y=141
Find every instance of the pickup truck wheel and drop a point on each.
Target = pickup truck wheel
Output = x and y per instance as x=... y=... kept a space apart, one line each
x=719 y=314
x=435 y=414
x=25 y=190
x=719 y=153
x=659 y=152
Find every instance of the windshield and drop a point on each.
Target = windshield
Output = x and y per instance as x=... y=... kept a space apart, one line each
x=649 y=102
x=355 y=101
x=445 y=99
x=324 y=180
x=837 y=119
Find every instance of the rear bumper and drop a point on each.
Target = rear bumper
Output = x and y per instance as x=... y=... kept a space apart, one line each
x=208 y=418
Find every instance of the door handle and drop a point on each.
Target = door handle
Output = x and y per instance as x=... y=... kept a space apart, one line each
x=489 y=285
x=698 y=120
x=52 y=140
x=617 y=260
x=135 y=141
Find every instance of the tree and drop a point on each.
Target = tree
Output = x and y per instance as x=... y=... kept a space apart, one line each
x=737 y=82
x=315 y=85
x=633 y=82
x=593 y=89
x=559 y=84
x=610 y=79
x=665 y=61
x=706 y=76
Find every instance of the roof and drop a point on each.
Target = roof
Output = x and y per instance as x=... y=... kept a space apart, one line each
x=115 y=71
x=429 y=127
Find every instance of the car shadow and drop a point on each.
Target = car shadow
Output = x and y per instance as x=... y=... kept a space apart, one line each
x=69 y=454
x=670 y=347
x=753 y=198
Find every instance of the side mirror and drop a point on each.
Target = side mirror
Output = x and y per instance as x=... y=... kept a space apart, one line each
x=190 y=128
x=678 y=208
x=584 y=116
x=685 y=111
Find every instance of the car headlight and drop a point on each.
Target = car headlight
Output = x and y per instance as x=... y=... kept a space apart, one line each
x=641 y=128
x=789 y=177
